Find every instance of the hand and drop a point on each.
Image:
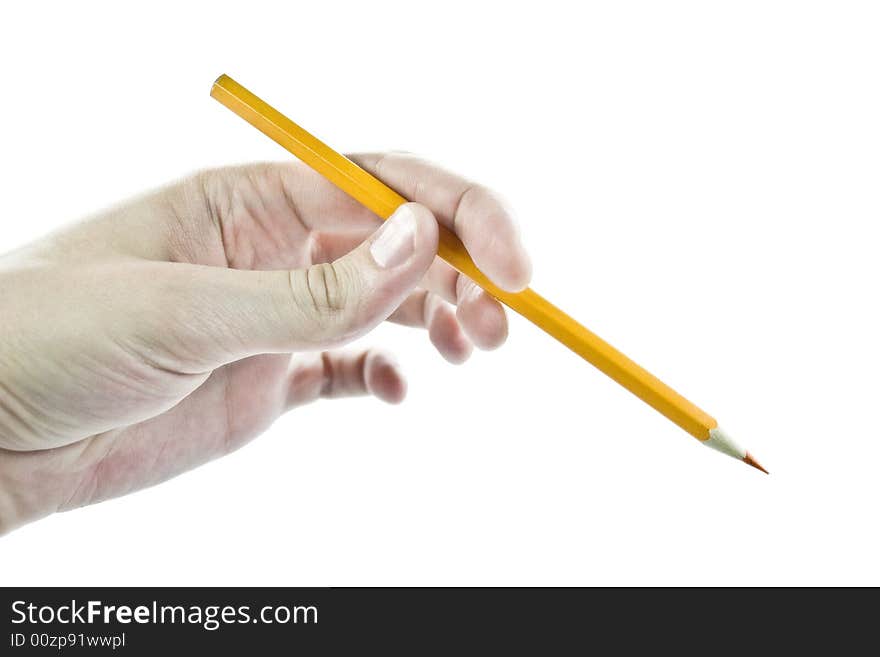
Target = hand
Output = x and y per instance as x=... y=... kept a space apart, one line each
x=158 y=335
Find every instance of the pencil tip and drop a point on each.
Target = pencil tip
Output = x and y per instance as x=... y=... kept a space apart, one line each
x=750 y=460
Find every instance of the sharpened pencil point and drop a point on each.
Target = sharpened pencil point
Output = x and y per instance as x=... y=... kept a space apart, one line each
x=750 y=460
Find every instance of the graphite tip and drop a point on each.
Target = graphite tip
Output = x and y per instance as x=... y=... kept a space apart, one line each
x=750 y=460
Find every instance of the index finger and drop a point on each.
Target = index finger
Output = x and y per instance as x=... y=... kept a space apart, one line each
x=476 y=214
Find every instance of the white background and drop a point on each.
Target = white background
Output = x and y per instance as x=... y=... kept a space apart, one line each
x=697 y=182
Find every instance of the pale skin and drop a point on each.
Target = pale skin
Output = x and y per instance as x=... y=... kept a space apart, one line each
x=174 y=328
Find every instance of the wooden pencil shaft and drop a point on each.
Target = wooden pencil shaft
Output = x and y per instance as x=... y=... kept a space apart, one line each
x=381 y=199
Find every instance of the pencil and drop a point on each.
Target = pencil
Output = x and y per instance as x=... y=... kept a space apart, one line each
x=381 y=199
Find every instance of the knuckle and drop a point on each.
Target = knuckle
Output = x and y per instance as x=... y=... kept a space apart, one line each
x=465 y=203
x=466 y=289
x=479 y=199
x=323 y=295
x=325 y=288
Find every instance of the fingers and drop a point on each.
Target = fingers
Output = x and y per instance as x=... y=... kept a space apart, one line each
x=480 y=316
x=477 y=215
x=333 y=375
x=224 y=314
x=426 y=310
x=235 y=404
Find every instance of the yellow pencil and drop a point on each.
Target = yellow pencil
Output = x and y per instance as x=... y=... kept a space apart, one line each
x=381 y=199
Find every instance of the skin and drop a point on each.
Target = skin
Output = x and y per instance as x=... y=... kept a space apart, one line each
x=164 y=333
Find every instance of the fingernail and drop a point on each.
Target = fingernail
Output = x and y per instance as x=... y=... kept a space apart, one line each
x=396 y=240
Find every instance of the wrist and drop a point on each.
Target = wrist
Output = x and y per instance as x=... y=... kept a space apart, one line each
x=10 y=515
x=20 y=499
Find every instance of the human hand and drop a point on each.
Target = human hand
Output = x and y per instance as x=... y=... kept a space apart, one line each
x=158 y=335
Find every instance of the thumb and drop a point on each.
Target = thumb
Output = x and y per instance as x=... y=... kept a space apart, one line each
x=229 y=314
x=334 y=303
